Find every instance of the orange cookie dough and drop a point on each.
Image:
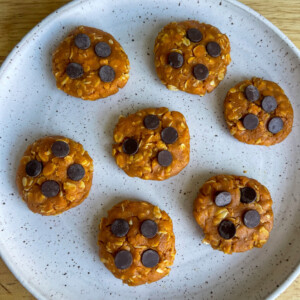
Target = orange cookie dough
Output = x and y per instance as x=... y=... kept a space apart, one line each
x=90 y=64
x=153 y=143
x=235 y=213
x=191 y=56
x=54 y=175
x=258 y=112
x=137 y=243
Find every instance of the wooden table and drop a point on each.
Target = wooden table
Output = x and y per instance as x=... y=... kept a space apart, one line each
x=19 y=16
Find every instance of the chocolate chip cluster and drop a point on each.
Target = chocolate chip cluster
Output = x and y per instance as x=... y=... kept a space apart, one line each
x=123 y=258
x=169 y=135
x=200 y=71
x=101 y=49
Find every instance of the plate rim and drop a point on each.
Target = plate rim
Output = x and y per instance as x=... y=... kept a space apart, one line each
x=52 y=16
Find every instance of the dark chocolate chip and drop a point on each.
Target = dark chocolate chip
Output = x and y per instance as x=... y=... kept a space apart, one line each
x=150 y=258
x=275 y=125
x=223 y=199
x=149 y=229
x=269 y=104
x=76 y=172
x=213 y=49
x=74 y=70
x=251 y=218
x=248 y=195
x=60 y=149
x=200 y=72
x=119 y=227
x=175 y=60
x=82 y=41
x=252 y=93
x=250 y=121
x=50 y=188
x=123 y=259
x=102 y=49
x=169 y=135
x=151 y=122
x=226 y=229
x=164 y=158
x=34 y=168
x=107 y=73
x=194 y=35
x=130 y=146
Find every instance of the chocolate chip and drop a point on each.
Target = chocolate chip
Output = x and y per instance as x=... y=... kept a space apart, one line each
x=248 y=195
x=226 y=229
x=150 y=258
x=169 y=135
x=151 y=122
x=275 y=125
x=74 y=70
x=34 y=168
x=119 y=227
x=149 y=229
x=102 y=49
x=194 y=35
x=213 y=49
x=175 y=60
x=130 y=146
x=107 y=73
x=60 y=149
x=250 y=121
x=251 y=218
x=269 y=104
x=76 y=172
x=50 y=188
x=252 y=93
x=222 y=199
x=200 y=72
x=82 y=41
x=164 y=158
x=123 y=259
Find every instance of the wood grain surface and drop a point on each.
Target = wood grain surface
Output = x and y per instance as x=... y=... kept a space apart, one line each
x=19 y=16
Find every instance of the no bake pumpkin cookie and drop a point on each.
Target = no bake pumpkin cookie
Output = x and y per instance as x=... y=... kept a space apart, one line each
x=90 y=64
x=54 y=175
x=258 y=112
x=235 y=213
x=137 y=243
x=191 y=56
x=153 y=143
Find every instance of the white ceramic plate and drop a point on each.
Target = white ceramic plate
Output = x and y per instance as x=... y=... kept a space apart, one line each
x=57 y=257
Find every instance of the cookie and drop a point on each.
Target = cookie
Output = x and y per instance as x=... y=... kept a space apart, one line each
x=137 y=243
x=258 y=112
x=191 y=57
x=90 y=64
x=153 y=143
x=54 y=175
x=235 y=213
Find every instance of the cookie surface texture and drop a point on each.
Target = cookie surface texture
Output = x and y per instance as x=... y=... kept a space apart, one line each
x=54 y=175
x=244 y=223
x=153 y=143
x=202 y=55
x=90 y=64
x=264 y=101
x=135 y=258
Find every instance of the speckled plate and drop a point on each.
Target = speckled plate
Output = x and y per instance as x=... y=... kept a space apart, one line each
x=57 y=257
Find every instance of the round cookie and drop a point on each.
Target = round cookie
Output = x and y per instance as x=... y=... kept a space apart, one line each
x=258 y=112
x=90 y=64
x=137 y=243
x=191 y=56
x=153 y=143
x=235 y=213
x=54 y=175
